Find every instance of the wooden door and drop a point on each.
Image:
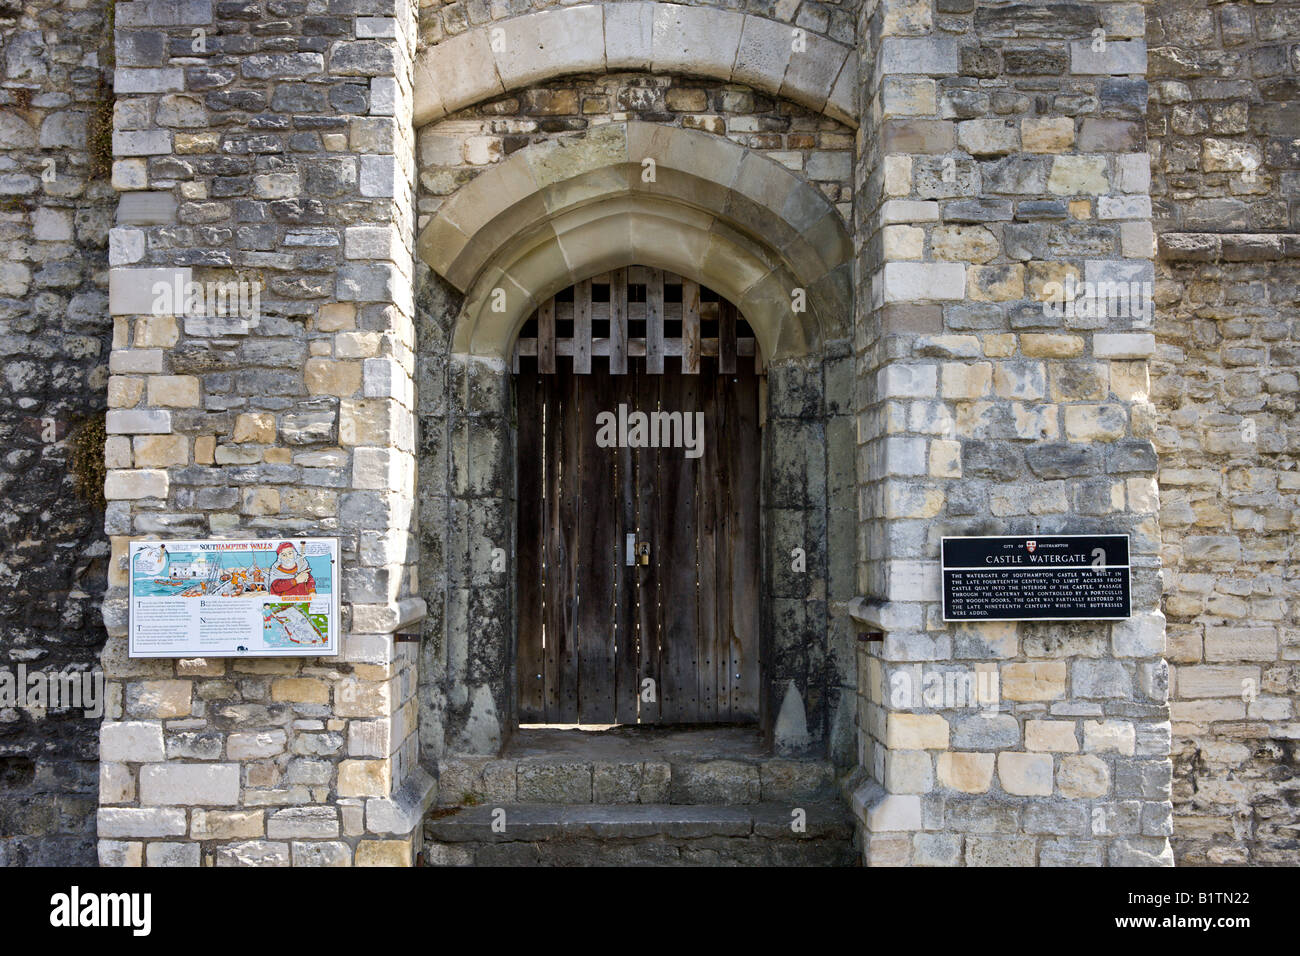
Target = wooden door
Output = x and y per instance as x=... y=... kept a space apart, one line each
x=672 y=639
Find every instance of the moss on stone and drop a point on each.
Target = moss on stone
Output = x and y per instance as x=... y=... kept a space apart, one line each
x=99 y=138
x=87 y=465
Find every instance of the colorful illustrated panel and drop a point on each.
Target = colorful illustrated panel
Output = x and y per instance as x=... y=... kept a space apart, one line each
x=253 y=598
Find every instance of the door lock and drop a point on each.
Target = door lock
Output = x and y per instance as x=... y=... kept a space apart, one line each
x=643 y=552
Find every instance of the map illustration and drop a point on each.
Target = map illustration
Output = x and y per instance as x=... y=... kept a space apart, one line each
x=293 y=625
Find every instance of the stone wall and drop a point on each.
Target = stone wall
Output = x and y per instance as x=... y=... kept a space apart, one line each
x=55 y=210
x=266 y=143
x=1004 y=150
x=1002 y=147
x=1226 y=187
x=1223 y=116
x=455 y=150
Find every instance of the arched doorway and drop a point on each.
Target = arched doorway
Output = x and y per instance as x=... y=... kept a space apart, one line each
x=554 y=215
x=638 y=467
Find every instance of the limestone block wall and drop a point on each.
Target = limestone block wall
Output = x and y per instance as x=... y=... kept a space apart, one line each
x=268 y=144
x=1226 y=376
x=55 y=210
x=1226 y=187
x=1223 y=116
x=1003 y=150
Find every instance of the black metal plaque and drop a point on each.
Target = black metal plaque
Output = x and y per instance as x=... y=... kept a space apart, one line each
x=1036 y=578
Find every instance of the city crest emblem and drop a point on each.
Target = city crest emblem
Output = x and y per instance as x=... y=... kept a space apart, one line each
x=1031 y=546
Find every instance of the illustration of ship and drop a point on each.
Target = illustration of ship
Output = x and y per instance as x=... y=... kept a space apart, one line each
x=204 y=577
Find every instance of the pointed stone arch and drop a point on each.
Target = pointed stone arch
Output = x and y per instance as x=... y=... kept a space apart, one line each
x=773 y=57
x=639 y=193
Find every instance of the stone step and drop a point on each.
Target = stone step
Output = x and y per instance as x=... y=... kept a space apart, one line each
x=470 y=780
x=717 y=764
x=640 y=835
x=691 y=781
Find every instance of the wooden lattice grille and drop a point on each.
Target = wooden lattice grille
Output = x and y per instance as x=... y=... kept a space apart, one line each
x=637 y=312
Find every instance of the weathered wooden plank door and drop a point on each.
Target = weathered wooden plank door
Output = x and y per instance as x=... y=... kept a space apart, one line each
x=606 y=635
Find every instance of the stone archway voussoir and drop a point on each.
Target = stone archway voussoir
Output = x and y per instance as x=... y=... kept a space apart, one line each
x=704 y=155
x=532 y=46
x=810 y=77
x=680 y=240
x=456 y=73
x=766 y=306
x=488 y=325
x=494 y=58
x=764 y=53
x=561 y=211
x=557 y=160
x=698 y=40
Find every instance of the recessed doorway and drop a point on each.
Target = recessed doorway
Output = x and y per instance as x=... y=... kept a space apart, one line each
x=638 y=465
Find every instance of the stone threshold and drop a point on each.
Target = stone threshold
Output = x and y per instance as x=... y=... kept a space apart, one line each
x=715 y=765
x=536 y=744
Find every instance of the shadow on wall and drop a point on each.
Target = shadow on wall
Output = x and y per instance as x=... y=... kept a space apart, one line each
x=55 y=337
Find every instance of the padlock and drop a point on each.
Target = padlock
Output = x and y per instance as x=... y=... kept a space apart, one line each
x=643 y=552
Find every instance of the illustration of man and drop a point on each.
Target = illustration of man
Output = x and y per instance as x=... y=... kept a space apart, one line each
x=290 y=576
